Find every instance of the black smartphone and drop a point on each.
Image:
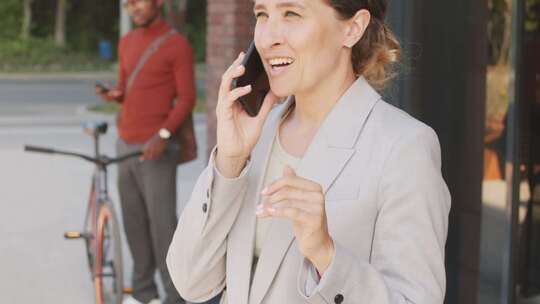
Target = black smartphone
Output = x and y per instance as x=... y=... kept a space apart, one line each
x=254 y=75
x=103 y=88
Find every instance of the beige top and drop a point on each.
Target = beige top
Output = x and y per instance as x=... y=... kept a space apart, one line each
x=278 y=159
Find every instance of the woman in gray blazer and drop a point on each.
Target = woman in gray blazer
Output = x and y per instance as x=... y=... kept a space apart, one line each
x=333 y=196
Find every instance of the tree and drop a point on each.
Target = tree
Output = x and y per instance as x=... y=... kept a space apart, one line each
x=505 y=45
x=27 y=19
x=499 y=30
x=175 y=11
x=60 y=26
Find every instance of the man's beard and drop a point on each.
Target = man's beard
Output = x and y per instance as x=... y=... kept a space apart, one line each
x=150 y=20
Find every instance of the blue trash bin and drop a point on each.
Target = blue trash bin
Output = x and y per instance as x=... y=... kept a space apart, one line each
x=105 y=50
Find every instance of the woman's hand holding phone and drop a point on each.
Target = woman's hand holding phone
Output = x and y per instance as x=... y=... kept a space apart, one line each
x=237 y=132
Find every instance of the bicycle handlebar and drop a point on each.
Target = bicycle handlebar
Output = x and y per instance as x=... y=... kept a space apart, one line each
x=102 y=160
x=39 y=149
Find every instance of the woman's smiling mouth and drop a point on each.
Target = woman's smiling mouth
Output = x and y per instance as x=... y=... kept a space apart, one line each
x=278 y=65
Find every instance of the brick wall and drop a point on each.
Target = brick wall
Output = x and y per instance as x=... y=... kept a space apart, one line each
x=230 y=29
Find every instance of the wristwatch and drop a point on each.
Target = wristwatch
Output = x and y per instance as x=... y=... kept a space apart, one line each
x=164 y=133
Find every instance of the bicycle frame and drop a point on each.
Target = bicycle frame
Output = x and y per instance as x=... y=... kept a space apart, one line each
x=99 y=194
x=100 y=174
x=101 y=228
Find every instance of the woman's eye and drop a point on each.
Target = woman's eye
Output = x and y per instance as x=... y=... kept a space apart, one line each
x=291 y=14
x=260 y=14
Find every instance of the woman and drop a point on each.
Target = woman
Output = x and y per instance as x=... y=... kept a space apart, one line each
x=333 y=196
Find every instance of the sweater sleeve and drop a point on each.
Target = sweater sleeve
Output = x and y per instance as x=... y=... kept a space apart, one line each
x=185 y=87
x=122 y=75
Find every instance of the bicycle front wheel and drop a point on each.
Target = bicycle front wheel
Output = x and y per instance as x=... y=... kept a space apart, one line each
x=108 y=278
x=90 y=229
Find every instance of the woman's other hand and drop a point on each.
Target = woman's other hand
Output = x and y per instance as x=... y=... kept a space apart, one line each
x=237 y=132
x=302 y=201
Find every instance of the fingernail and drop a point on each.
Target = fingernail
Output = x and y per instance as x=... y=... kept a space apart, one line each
x=260 y=210
x=248 y=87
x=264 y=191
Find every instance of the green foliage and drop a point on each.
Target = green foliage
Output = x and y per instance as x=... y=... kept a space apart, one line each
x=197 y=37
x=88 y=22
x=91 y=21
x=10 y=18
x=498 y=28
x=38 y=54
x=532 y=15
x=196 y=28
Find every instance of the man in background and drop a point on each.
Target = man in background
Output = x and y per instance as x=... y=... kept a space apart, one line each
x=154 y=104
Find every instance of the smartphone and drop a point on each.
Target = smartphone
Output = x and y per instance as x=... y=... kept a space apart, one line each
x=254 y=75
x=103 y=88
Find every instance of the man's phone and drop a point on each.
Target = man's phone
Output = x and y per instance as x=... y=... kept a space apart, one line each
x=102 y=88
x=255 y=76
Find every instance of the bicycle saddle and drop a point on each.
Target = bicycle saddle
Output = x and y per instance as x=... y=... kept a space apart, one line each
x=95 y=128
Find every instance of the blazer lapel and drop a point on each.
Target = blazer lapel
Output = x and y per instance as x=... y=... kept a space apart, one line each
x=241 y=237
x=331 y=149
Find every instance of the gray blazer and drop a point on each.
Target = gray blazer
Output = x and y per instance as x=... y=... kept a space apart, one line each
x=387 y=207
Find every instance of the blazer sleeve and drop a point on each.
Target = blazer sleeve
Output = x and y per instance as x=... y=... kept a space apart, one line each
x=407 y=258
x=196 y=256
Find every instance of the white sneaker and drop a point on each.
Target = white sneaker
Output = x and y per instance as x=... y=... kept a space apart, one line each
x=132 y=300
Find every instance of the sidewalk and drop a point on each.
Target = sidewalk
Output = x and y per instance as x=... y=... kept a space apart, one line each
x=45 y=196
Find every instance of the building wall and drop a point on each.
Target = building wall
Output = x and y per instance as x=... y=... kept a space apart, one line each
x=230 y=30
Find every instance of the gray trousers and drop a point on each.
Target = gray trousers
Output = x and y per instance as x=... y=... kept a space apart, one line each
x=148 y=199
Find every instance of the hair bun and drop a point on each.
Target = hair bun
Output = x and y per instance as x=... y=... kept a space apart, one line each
x=375 y=55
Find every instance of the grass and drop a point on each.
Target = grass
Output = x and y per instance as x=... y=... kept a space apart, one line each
x=113 y=108
x=105 y=108
x=42 y=55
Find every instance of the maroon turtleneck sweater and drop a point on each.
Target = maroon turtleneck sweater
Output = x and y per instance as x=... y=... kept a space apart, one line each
x=167 y=76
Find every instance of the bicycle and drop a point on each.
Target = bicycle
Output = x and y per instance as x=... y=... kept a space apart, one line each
x=100 y=231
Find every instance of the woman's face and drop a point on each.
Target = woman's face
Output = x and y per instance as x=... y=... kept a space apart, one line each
x=300 y=43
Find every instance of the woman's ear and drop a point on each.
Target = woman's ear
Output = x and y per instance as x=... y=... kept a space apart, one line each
x=356 y=27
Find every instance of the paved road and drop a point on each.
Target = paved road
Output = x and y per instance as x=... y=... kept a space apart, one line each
x=45 y=101
x=42 y=196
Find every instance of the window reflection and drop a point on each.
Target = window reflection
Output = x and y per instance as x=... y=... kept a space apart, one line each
x=500 y=106
x=528 y=264
x=499 y=81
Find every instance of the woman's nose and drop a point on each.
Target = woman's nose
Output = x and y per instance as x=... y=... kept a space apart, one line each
x=271 y=34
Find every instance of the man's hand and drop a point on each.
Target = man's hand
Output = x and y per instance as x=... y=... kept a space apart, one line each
x=154 y=148
x=110 y=95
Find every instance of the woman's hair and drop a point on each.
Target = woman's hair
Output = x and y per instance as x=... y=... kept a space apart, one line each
x=373 y=56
